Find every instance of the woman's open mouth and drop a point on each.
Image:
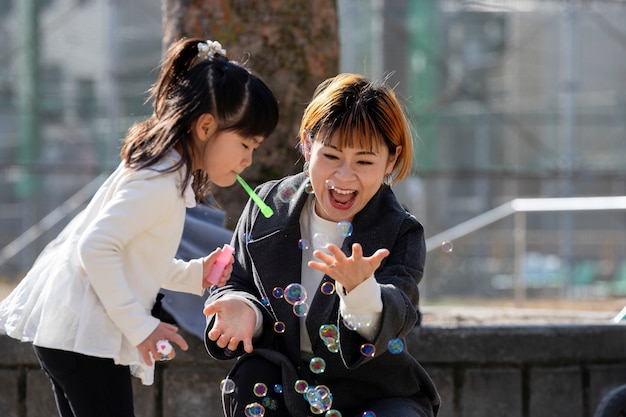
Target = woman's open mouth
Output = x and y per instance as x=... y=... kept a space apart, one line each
x=342 y=199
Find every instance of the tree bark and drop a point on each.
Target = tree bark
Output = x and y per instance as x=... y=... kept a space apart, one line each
x=291 y=44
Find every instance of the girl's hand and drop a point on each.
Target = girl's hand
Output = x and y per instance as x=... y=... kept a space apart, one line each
x=208 y=263
x=164 y=331
x=234 y=323
x=348 y=271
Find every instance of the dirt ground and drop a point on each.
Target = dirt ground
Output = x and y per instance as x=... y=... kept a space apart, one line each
x=534 y=311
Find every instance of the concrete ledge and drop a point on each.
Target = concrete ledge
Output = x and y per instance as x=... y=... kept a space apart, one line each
x=510 y=371
x=519 y=344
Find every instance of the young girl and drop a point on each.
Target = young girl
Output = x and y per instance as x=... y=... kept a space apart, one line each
x=323 y=293
x=85 y=305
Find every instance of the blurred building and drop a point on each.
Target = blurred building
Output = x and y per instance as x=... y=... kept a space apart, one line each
x=509 y=99
x=61 y=126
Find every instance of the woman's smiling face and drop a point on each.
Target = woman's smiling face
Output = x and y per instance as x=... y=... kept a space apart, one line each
x=345 y=179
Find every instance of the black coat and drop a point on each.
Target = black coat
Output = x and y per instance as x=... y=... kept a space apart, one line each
x=267 y=256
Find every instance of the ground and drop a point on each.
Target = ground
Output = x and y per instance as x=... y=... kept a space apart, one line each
x=536 y=311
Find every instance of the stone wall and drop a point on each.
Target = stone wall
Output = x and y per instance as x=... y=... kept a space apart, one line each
x=496 y=371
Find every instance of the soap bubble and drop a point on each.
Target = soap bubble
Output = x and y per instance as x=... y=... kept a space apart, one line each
x=368 y=349
x=247 y=237
x=368 y=414
x=278 y=389
x=286 y=193
x=332 y=413
x=447 y=246
x=327 y=288
x=319 y=398
x=317 y=365
x=254 y=410
x=227 y=386
x=320 y=240
x=330 y=336
x=308 y=188
x=265 y=301
x=395 y=346
x=260 y=389
x=295 y=293
x=330 y=184
x=302 y=149
x=303 y=244
x=357 y=321
x=300 y=386
x=279 y=327
x=344 y=228
x=329 y=332
x=277 y=292
x=300 y=309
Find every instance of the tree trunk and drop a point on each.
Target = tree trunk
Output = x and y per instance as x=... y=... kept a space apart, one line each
x=291 y=44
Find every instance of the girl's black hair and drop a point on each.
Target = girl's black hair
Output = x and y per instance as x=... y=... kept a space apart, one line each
x=191 y=84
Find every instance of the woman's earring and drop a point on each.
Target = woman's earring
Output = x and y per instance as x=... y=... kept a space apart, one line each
x=305 y=168
x=388 y=179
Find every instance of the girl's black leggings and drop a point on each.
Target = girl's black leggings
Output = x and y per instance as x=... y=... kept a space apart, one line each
x=87 y=386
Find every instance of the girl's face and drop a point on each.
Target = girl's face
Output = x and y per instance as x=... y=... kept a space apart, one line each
x=227 y=154
x=222 y=154
x=345 y=180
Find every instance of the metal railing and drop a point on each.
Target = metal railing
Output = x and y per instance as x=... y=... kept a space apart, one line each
x=50 y=220
x=518 y=208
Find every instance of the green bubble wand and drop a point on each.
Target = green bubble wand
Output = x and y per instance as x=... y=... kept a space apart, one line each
x=265 y=209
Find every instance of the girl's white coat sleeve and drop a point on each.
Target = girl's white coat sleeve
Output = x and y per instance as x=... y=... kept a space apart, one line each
x=127 y=251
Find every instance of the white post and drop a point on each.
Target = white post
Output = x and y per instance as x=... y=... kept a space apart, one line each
x=519 y=254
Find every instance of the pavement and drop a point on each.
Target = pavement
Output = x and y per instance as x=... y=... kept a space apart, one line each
x=475 y=315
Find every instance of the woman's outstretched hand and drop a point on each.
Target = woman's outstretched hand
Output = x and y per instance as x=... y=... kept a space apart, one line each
x=349 y=271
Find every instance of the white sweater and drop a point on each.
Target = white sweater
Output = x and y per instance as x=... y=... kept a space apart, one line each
x=92 y=289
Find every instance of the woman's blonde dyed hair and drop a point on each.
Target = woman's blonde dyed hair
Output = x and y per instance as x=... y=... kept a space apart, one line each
x=363 y=114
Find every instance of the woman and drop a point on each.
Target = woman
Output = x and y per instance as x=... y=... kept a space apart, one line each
x=323 y=293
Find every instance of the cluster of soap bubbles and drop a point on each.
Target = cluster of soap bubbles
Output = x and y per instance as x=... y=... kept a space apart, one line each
x=320 y=240
x=330 y=336
x=296 y=295
x=319 y=397
x=260 y=390
x=356 y=321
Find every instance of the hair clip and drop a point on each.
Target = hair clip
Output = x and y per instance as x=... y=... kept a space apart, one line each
x=208 y=49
